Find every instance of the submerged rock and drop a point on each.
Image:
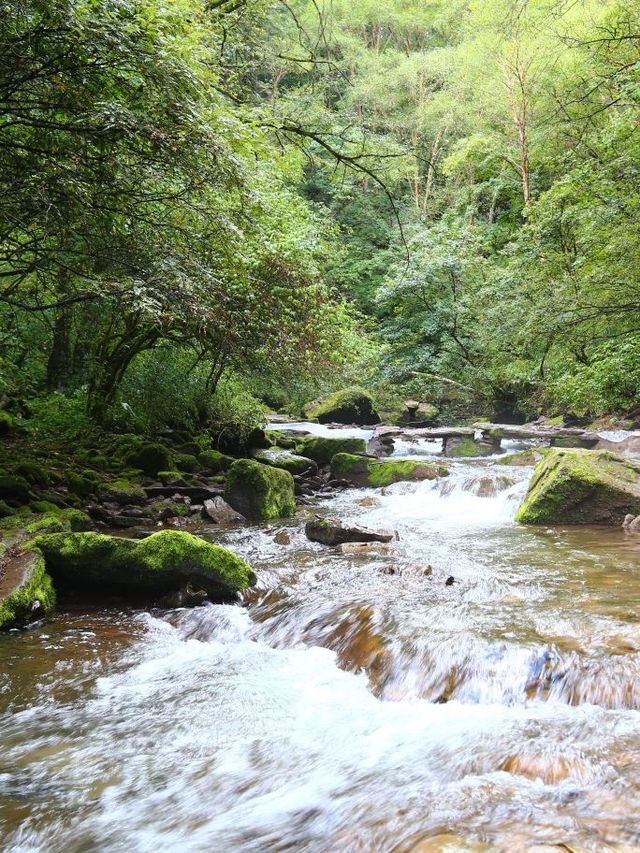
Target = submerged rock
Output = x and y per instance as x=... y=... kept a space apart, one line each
x=334 y=532
x=322 y=450
x=351 y=406
x=286 y=460
x=161 y=563
x=364 y=471
x=582 y=487
x=260 y=492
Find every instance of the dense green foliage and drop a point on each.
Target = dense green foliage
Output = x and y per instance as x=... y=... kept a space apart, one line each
x=205 y=205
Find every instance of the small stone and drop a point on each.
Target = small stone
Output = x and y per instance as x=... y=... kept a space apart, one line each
x=282 y=537
x=450 y=581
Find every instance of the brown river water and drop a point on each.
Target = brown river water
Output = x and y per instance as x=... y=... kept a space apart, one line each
x=355 y=702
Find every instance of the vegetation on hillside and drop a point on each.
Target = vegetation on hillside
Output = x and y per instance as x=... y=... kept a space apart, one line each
x=207 y=208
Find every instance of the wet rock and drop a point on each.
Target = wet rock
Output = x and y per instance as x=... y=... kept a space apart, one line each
x=219 y=511
x=550 y=768
x=370 y=501
x=286 y=460
x=450 y=581
x=631 y=523
x=334 y=532
x=260 y=492
x=26 y=590
x=185 y=597
x=363 y=549
x=375 y=473
x=467 y=446
x=282 y=537
x=582 y=487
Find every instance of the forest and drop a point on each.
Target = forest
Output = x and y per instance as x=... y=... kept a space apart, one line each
x=213 y=209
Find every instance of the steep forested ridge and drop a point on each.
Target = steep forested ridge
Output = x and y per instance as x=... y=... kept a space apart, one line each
x=204 y=205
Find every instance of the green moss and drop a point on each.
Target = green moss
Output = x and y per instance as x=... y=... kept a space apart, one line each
x=7 y=423
x=350 y=406
x=122 y=492
x=524 y=457
x=14 y=490
x=80 y=485
x=581 y=487
x=214 y=461
x=161 y=562
x=285 y=460
x=33 y=473
x=55 y=520
x=150 y=458
x=463 y=448
x=375 y=473
x=322 y=450
x=171 y=478
x=186 y=462
x=16 y=608
x=5 y=509
x=260 y=492
x=45 y=507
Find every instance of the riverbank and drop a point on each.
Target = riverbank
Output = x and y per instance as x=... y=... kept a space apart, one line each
x=354 y=702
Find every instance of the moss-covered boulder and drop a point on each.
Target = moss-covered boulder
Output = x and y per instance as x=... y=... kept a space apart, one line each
x=285 y=459
x=14 y=490
x=26 y=590
x=322 y=450
x=350 y=406
x=171 y=478
x=259 y=492
x=524 y=458
x=469 y=447
x=150 y=458
x=7 y=423
x=582 y=487
x=186 y=462
x=53 y=520
x=161 y=563
x=364 y=471
x=214 y=461
x=33 y=472
x=122 y=492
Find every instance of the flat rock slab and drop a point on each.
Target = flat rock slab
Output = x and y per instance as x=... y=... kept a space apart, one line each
x=334 y=532
x=196 y=494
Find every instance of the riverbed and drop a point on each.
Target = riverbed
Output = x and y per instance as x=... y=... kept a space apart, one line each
x=475 y=679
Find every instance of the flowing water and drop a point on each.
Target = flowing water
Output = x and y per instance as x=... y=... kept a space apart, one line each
x=474 y=679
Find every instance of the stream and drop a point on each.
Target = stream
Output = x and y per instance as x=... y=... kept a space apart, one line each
x=475 y=678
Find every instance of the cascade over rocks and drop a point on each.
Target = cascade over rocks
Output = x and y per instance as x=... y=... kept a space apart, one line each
x=582 y=487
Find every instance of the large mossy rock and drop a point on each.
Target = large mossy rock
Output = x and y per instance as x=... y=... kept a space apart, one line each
x=322 y=450
x=286 y=460
x=161 y=563
x=582 y=487
x=259 y=492
x=214 y=461
x=351 y=406
x=14 y=490
x=150 y=458
x=364 y=471
x=122 y=492
x=469 y=447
